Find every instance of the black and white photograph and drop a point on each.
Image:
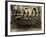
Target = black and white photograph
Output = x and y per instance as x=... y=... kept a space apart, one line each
x=25 y=18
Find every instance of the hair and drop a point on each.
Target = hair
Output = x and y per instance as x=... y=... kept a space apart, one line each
x=34 y=9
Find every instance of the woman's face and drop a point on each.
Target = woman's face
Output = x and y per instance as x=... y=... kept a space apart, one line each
x=33 y=12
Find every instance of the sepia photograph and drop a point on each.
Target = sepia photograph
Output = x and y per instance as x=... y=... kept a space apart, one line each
x=25 y=18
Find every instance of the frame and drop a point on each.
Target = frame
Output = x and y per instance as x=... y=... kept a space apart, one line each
x=27 y=7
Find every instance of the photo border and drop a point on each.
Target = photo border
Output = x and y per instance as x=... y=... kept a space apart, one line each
x=6 y=18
